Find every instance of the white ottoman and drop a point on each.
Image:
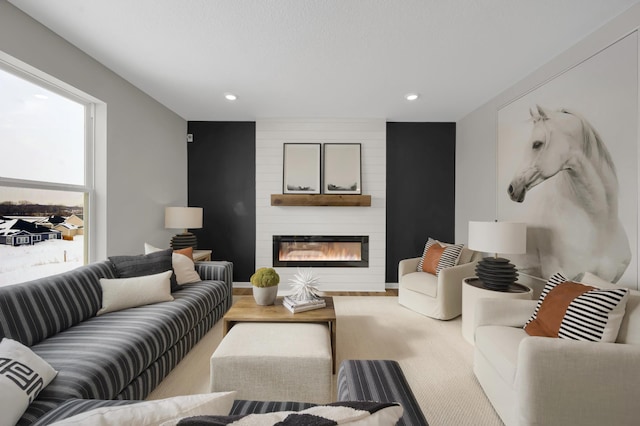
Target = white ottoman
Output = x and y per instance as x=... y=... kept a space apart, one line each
x=274 y=362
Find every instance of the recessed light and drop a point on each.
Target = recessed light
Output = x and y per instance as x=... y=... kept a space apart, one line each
x=39 y=96
x=411 y=96
x=230 y=96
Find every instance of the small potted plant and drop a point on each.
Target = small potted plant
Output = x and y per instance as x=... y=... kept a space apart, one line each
x=265 y=286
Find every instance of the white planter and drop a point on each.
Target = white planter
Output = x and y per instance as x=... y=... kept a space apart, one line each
x=265 y=295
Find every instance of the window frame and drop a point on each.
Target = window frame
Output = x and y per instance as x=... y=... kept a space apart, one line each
x=88 y=189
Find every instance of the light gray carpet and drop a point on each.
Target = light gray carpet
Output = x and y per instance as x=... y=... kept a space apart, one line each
x=435 y=358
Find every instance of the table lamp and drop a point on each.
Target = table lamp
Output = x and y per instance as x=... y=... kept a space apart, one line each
x=497 y=273
x=183 y=218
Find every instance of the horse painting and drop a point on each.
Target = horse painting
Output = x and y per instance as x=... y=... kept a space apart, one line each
x=574 y=225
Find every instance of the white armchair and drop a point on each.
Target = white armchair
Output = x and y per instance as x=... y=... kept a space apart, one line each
x=548 y=381
x=438 y=296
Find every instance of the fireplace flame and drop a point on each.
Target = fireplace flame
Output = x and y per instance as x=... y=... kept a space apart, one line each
x=320 y=251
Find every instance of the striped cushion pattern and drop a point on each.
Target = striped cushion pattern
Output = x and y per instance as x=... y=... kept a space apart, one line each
x=217 y=270
x=575 y=311
x=32 y=311
x=382 y=381
x=449 y=257
x=77 y=406
x=240 y=407
x=125 y=354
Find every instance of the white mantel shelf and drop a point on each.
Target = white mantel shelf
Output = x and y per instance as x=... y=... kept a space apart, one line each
x=336 y=200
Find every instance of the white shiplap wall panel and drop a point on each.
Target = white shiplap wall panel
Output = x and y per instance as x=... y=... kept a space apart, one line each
x=271 y=134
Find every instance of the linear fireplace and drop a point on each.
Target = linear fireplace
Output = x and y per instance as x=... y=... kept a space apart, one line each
x=322 y=251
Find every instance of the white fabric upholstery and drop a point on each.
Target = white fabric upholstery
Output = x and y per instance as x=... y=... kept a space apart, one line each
x=438 y=296
x=274 y=362
x=547 y=381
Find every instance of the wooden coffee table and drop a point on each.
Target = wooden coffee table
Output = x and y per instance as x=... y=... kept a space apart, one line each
x=245 y=309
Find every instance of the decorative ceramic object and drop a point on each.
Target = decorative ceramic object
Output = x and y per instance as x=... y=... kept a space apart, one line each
x=265 y=286
x=304 y=285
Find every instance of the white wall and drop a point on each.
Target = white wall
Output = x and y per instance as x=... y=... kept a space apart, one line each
x=141 y=151
x=270 y=137
x=477 y=132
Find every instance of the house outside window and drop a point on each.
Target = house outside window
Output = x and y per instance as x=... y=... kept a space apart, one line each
x=46 y=177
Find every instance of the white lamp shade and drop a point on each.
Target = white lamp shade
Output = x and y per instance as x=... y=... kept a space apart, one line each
x=183 y=217
x=498 y=237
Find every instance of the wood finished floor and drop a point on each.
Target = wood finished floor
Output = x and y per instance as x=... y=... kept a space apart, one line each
x=388 y=292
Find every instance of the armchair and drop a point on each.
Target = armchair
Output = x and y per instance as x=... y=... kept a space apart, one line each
x=440 y=296
x=550 y=381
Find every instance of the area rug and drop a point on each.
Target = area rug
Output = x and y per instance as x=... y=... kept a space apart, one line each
x=435 y=358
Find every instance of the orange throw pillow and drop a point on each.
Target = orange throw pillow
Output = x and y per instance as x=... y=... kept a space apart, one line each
x=570 y=310
x=186 y=251
x=432 y=258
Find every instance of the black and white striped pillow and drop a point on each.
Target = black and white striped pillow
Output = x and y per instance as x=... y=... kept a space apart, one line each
x=588 y=313
x=362 y=413
x=449 y=258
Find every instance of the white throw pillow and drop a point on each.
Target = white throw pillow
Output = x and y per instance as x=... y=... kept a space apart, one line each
x=122 y=293
x=183 y=266
x=354 y=413
x=23 y=374
x=155 y=412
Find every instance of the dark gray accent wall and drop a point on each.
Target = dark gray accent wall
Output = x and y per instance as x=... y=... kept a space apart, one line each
x=222 y=180
x=420 y=189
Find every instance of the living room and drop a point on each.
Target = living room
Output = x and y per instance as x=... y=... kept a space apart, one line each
x=144 y=163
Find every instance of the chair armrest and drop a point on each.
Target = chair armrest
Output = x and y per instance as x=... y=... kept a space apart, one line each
x=591 y=383
x=450 y=283
x=456 y=274
x=506 y=312
x=406 y=266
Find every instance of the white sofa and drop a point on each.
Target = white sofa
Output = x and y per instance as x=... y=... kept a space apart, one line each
x=548 y=381
x=438 y=296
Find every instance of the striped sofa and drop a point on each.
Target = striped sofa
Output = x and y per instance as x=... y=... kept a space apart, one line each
x=358 y=380
x=122 y=355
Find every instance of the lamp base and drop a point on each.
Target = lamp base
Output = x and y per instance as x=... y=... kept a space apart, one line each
x=185 y=240
x=496 y=273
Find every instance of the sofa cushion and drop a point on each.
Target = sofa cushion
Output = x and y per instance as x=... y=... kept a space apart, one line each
x=570 y=310
x=123 y=293
x=499 y=345
x=182 y=262
x=145 y=264
x=101 y=356
x=437 y=256
x=155 y=411
x=32 y=311
x=23 y=375
x=421 y=282
x=361 y=413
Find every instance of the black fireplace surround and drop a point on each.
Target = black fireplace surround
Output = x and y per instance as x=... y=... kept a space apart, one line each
x=322 y=251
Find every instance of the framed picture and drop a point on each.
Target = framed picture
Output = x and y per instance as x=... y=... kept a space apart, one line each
x=342 y=168
x=301 y=164
x=567 y=166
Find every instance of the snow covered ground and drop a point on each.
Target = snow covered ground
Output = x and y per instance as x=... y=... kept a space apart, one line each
x=24 y=263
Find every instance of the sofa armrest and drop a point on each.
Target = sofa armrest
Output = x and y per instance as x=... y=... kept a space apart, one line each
x=506 y=312
x=217 y=270
x=591 y=383
x=406 y=266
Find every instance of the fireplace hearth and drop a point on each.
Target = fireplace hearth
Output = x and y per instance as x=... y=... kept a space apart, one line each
x=323 y=251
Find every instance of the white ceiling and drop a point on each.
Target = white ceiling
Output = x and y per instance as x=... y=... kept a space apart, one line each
x=323 y=58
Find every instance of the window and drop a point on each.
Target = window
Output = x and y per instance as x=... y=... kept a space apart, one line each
x=46 y=169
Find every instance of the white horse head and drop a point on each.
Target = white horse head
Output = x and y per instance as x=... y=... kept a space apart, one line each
x=560 y=141
x=574 y=222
